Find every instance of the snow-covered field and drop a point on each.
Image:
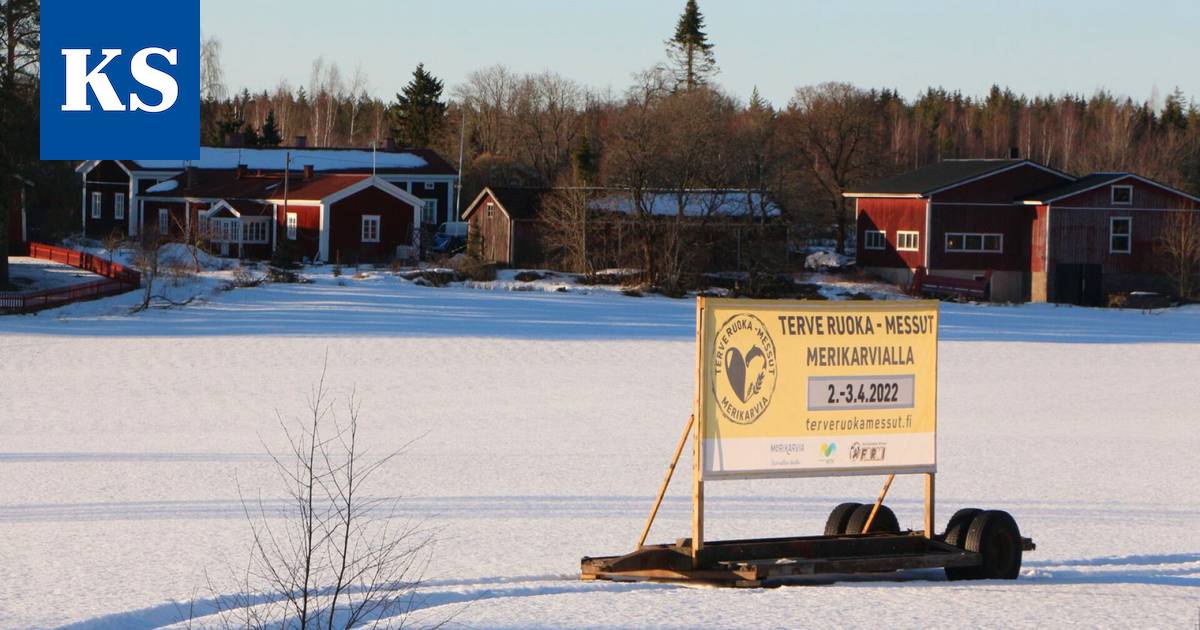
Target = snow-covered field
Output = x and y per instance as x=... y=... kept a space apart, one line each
x=544 y=421
x=35 y=274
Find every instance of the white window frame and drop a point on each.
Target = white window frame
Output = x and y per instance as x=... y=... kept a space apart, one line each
x=293 y=221
x=901 y=247
x=119 y=207
x=429 y=210
x=982 y=239
x=1112 y=195
x=491 y=210
x=225 y=229
x=97 y=199
x=255 y=231
x=369 y=219
x=164 y=221
x=429 y=185
x=1112 y=221
x=881 y=245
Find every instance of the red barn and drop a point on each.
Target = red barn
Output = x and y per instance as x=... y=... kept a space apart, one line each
x=1043 y=234
x=1098 y=235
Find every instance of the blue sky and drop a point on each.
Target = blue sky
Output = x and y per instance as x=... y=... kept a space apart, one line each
x=1033 y=47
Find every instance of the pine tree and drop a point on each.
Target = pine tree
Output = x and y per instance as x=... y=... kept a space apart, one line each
x=690 y=50
x=418 y=114
x=586 y=162
x=270 y=137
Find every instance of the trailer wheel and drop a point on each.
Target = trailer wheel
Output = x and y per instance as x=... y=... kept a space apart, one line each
x=994 y=535
x=956 y=529
x=956 y=536
x=835 y=525
x=885 y=520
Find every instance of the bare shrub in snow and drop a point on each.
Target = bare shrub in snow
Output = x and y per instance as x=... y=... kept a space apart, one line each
x=244 y=277
x=178 y=270
x=339 y=558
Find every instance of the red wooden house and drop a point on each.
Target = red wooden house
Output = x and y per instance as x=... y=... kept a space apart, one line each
x=349 y=217
x=1043 y=235
x=115 y=191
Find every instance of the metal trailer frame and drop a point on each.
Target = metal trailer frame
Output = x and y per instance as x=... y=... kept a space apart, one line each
x=776 y=561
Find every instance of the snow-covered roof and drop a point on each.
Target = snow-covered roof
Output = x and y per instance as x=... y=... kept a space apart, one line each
x=273 y=159
x=696 y=203
x=164 y=186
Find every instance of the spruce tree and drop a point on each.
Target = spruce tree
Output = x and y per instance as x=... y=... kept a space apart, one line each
x=270 y=137
x=418 y=114
x=586 y=162
x=690 y=51
x=757 y=102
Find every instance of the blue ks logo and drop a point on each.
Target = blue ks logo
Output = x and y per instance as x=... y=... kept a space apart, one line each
x=120 y=80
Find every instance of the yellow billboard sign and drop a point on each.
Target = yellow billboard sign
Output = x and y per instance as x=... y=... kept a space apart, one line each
x=801 y=388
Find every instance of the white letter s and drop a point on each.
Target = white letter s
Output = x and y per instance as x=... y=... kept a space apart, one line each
x=154 y=79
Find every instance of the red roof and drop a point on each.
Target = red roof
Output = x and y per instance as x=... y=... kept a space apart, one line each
x=226 y=184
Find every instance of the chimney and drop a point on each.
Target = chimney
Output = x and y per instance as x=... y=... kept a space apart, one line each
x=308 y=171
x=241 y=171
x=1014 y=153
x=235 y=140
x=190 y=178
x=301 y=142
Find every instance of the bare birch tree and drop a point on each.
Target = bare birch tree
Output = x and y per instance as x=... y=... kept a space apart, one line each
x=1179 y=246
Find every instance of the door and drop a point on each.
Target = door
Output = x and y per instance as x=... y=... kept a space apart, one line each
x=1078 y=284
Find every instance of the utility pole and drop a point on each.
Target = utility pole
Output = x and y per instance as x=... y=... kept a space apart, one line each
x=462 y=136
x=287 y=168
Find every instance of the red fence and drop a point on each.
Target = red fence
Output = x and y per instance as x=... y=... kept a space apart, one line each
x=117 y=279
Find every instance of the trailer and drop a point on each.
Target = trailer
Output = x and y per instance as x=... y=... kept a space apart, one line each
x=858 y=397
x=995 y=554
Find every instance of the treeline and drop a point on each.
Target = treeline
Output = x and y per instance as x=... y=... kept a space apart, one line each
x=546 y=129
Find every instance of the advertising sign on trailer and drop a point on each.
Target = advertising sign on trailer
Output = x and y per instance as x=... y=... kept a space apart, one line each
x=809 y=389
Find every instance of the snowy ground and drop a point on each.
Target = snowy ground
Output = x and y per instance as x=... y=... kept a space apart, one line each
x=35 y=274
x=544 y=422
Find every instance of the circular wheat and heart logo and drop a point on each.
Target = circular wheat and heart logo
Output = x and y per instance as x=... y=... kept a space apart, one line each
x=744 y=371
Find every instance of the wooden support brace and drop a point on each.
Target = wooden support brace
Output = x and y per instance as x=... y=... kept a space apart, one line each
x=878 y=502
x=929 y=505
x=662 y=491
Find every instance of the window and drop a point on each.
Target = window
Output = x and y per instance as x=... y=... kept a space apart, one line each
x=96 y=205
x=291 y=226
x=164 y=221
x=226 y=230
x=429 y=211
x=908 y=241
x=491 y=210
x=428 y=185
x=119 y=207
x=1120 y=235
x=1122 y=195
x=254 y=231
x=974 y=242
x=370 y=228
x=874 y=239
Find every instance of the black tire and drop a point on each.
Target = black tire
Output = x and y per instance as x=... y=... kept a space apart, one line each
x=835 y=525
x=994 y=535
x=956 y=536
x=885 y=520
x=956 y=529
